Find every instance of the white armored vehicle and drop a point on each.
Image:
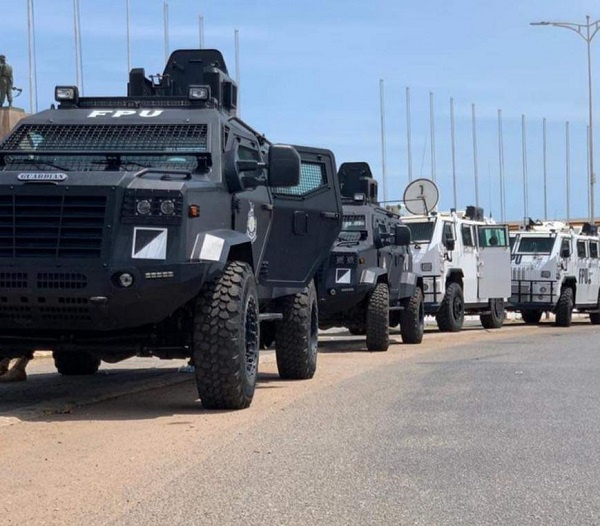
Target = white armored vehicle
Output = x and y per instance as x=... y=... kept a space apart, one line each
x=463 y=258
x=555 y=269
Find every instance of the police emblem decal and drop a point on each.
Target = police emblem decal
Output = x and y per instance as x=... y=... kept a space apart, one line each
x=251 y=224
x=343 y=276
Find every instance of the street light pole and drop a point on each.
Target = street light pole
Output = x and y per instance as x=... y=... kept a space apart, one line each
x=586 y=31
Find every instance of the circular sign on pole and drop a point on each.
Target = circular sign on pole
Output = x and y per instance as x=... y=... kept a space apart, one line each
x=421 y=196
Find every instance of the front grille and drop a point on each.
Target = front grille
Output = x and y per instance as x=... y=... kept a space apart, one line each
x=61 y=280
x=51 y=226
x=13 y=280
x=61 y=314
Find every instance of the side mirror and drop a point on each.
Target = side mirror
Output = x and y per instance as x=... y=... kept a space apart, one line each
x=450 y=244
x=284 y=166
x=565 y=252
x=402 y=236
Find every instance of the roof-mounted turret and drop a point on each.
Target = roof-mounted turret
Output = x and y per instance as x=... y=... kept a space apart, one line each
x=192 y=77
x=357 y=183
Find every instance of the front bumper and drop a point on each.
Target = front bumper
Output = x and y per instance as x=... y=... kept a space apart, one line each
x=69 y=298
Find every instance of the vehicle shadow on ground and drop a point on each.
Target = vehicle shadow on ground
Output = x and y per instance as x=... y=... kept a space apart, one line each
x=49 y=397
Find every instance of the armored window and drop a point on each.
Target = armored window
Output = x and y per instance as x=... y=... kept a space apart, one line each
x=312 y=177
x=421 y=232
x=493 y=237
x=536 y=245
x=448 y=232
x=467 y=236
x=581 y=251
x=565 y=247
x=594 y=249
x=513 y=242
x=250 y=154
x=108 y=147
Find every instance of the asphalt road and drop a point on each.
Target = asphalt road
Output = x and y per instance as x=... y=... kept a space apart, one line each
x=484 y=427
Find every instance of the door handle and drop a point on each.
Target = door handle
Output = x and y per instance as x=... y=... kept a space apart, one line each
x=330 y=215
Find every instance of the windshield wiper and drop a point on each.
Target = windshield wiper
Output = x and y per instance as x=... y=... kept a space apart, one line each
x=39 y=162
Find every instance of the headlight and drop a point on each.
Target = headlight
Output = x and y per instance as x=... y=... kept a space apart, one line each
x=66 y=93
x=546 y=274
x=143 y=207
x=167 y=207
x=199 y=92
x=152 y=207
x=426 y=267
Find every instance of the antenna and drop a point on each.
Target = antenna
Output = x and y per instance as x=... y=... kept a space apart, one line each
x=421 y=196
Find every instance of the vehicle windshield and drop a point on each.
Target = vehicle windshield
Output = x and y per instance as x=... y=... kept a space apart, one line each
x=421 y=231
x=536 y=245
x=106 y=147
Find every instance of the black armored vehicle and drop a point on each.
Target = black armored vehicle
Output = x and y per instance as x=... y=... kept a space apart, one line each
x=368 y=284
x=160 y=224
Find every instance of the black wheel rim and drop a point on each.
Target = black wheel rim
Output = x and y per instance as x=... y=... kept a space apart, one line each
x=251 y=338
x=457 y=308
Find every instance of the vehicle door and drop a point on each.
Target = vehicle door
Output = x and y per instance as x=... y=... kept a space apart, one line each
x=307 y=219
x=594 y=271
x=494 y=261
x=584 y=282
x=252 y=209
x=467 y=260
x=392 y=258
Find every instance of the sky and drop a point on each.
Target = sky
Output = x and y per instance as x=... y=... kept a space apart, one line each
x=310 y=74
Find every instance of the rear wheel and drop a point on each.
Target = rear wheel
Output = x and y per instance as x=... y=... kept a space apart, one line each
x=564 y=308
x=412 y=318
x=79 y=363
x=297 y=336
x=531 y=317
x=378 y=316
x=495 y=318
x=451 y=314
x=226 y=339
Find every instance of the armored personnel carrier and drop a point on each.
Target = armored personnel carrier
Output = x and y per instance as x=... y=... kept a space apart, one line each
x=462 y=257
x=160 y=224
x=368 y=283
x=555 y=268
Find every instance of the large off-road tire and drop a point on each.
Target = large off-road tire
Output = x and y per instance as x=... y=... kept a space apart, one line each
x=226 y=338
x=495 y=318
x=564 y=308
x=76 y=363
x=297 y=336
x=451 y=314
x=378 y=317
x=531 y=317
x=412 y=318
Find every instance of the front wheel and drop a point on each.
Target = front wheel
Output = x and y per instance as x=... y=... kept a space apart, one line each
x=564 y=308
x=495 y=318
x=451 y=314
x=80 y=363
x=297 y=336
x=412 y=318
x=226 y=339
x=378 y=316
